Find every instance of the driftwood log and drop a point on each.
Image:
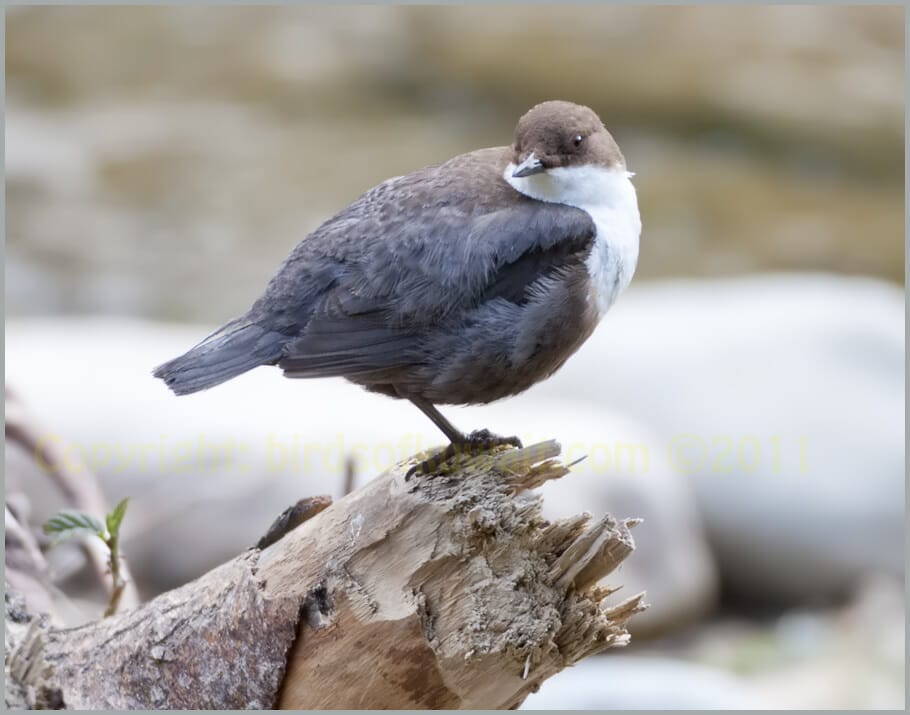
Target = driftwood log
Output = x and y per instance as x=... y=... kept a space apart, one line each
x=442 y=591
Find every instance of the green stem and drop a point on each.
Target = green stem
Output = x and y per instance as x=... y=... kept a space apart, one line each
x=119 y=582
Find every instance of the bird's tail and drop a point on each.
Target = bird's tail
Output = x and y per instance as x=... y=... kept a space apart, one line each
x=231 y=350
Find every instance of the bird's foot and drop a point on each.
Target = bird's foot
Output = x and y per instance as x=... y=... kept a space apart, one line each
x=473 y=444
x=486 y=440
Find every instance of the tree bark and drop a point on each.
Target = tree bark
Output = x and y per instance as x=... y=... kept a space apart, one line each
x=444 y=591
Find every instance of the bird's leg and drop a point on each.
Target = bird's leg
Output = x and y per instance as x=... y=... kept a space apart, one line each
x=446 y=427
x=476 y=442
x=481 y=437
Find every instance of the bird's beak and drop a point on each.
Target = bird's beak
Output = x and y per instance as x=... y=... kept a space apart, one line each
x=529 y=166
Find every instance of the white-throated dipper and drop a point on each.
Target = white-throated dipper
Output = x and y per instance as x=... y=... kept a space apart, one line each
x=459 y=283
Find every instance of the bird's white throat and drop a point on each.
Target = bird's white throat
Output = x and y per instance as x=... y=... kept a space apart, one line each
x=608 y=196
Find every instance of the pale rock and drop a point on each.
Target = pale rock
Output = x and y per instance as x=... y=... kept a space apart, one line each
x=207 y=473
x=781 y=397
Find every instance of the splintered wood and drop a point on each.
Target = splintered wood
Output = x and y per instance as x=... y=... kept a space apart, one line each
x=433 y=591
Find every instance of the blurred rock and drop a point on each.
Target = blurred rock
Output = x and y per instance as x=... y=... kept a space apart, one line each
x=778 y=399
x=810 y=73
x=208 y=473
x=815 y=659
x=782 y=398
x=852 y=656
x=147 y=146
x=649 y=682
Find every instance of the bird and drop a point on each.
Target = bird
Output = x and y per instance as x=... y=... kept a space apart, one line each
x=461 y=283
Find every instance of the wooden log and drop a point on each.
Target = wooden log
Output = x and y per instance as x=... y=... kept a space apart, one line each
x=442 y=591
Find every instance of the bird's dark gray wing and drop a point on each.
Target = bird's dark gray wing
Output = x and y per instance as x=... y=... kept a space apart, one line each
x=426 y=273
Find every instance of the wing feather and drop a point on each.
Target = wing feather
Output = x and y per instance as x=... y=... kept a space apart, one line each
x=370 y=324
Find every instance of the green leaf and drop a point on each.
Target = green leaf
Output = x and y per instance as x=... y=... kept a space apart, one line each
x=115 y=517
x=67 y=523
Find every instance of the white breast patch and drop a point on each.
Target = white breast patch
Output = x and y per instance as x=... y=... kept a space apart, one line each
x=608 y=196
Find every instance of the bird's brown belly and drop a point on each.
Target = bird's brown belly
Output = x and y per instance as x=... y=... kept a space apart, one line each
x=501 y=350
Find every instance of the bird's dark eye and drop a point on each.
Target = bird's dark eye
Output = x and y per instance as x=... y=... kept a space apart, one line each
x=577 y=140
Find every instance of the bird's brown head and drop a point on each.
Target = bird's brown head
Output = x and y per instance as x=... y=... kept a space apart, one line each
x=562 y=134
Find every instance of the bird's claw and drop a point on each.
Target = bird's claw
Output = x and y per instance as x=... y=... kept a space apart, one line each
x=475 y=443
x=487 y=440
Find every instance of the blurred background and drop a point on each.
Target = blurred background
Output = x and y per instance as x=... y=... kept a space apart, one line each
x=746 y=396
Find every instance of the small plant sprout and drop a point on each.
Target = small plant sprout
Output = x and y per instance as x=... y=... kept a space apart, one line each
x=69 y=524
